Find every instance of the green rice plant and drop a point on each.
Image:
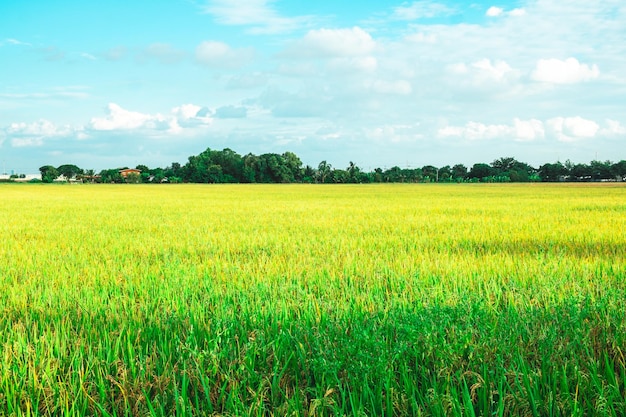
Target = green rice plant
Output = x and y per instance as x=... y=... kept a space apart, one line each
x=313 y=300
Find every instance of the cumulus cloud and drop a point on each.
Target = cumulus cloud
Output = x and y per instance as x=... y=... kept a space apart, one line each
x=564 y=129
x=572 y=129
x=483 y=76
x=520 y=130
x=569 y=71
x=33 y=134
x=259 y=14
x=495 y=11
x=334 y=43
x=220 y=55
x=121 y=119
x=189 y=115
x=497 y=70
x=613 y=128
x=180 y=118
x=474 y=131
x=528 y=130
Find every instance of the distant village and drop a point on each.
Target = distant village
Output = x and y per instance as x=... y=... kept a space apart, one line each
x=227 y=166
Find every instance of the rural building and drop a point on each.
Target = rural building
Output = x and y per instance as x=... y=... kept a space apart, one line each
x=126 y=172
x=20 y=178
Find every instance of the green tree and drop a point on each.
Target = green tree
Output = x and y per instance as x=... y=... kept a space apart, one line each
x=133 y=178
x=430 y=173
x=581 y=172
x=618 y=170
x=111 y=176
x=355 y=175
x=481 y=171
x=552 y=172
x=459 y=172
x=48 y=173
x=324 y=171
x=308 y=174
x=146 y=173
x=294 y=164
x=502 y=166
x=69 y=171
x=601 y=170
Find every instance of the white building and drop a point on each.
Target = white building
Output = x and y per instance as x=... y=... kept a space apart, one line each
x=26 y=178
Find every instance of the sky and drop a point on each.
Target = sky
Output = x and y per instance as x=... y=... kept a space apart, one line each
x=378 y=83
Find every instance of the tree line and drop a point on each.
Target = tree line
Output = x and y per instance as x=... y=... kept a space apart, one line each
x=227 y=166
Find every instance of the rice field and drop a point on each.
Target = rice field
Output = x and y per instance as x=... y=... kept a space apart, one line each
x=313 y=300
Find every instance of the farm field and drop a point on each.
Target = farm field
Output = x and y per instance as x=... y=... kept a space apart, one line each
x=313 y=300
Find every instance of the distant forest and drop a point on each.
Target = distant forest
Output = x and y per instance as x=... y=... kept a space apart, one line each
x=227 y=166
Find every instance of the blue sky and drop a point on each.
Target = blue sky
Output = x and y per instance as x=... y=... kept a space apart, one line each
x=380 y=83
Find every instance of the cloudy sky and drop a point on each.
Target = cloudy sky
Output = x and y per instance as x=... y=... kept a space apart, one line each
x=378 y=82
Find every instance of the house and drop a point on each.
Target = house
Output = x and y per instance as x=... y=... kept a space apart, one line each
x=126 y=172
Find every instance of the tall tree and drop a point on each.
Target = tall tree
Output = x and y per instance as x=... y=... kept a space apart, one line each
x=48 y=173
x=552 y=172
x=481 y=171
x=459 y=172
x=69 y=171
x=323 y=171
x=618 y=169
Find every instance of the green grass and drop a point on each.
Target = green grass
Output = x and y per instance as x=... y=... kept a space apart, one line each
x=430 y=300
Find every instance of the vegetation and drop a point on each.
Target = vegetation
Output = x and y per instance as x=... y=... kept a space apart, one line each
x=263 y=300
x=227 y=166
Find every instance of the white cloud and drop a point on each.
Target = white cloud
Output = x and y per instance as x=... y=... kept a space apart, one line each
x=186 y=111
x=189 y=115
x=520 y=130
x=220 y=55
x=421 y=10
x=121 y=119
x=613 y=128
x=180 y=118
x=498 y=70
x=39 y=128
x=494 y=11
x=528 y=130
x=33 y=134
x=334 y=43
x=483 y=76
x=259 y=14
x=570 y=71
x=475 y=131
x=12 y=41
x=571 y=129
